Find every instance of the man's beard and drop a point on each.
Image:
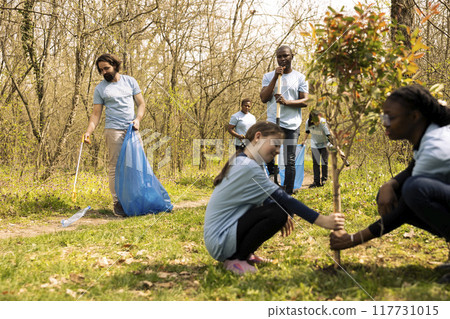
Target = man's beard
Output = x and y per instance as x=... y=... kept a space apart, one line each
x=110 y=76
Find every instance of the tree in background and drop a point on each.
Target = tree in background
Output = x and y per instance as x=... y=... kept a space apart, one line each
x=352 y=72
x=402 y=12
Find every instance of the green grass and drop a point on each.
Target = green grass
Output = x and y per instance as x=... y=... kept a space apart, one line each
x=23 y=198
x=162 y=257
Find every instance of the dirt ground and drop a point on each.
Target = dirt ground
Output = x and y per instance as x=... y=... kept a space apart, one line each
x=53 y=224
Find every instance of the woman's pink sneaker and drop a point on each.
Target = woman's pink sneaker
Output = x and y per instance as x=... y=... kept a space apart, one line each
x=239 y=267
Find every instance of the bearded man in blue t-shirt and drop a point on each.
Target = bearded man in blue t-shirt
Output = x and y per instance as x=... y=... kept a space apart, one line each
x=293 y=97
x=117 y=93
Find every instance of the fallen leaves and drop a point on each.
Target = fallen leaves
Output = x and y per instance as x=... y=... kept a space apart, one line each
x=71 y=293
x=410 y=234
x=190 y=247
x=104 y=262
x=55 y=281
x=167 y=280
x=76 y=278
x=165 y=275
x=77 y=294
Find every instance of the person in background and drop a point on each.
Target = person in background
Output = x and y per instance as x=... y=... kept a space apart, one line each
x=320 y=138
x=246 y=208
x=419 y=195
x=118 y=93
x=293 y=97
x=240 y=122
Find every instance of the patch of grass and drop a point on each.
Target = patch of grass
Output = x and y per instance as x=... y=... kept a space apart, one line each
x=22 y=197
x=163 y=257
x=155 y=258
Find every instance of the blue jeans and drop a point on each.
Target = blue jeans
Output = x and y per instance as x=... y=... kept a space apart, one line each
x=425 y=203
x=289 y=147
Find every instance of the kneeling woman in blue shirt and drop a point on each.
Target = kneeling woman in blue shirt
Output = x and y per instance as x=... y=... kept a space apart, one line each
x=420 y=195
x=246 y=208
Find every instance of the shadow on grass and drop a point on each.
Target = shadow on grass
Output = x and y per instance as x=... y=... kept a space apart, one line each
x=382 y=282
x=161 y=281
x=211 y=282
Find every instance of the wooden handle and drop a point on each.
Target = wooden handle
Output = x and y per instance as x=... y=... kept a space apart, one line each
x=278 y=92
x=279 y=84
x=278 y=112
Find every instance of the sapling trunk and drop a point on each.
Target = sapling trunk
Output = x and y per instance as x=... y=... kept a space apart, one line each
x=336 y=200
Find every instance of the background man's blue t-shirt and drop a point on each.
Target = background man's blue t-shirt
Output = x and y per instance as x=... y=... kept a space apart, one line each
x=118 y=99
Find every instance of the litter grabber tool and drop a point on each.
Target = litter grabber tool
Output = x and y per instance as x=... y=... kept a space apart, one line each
x=74 y=191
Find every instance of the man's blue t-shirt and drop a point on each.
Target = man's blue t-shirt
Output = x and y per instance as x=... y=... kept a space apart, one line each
x=118 y=99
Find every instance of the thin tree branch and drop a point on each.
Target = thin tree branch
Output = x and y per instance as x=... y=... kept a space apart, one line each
x=431 y=22
x=29 y=11
x=122 y=21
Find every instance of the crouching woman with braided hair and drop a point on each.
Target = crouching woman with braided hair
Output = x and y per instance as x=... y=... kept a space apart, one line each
x=246 y=208
x=420 y=195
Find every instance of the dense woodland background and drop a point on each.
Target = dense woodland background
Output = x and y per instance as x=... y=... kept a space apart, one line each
x=193 y=59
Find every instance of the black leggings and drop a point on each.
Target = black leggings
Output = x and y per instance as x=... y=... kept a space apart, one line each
x=256 y=226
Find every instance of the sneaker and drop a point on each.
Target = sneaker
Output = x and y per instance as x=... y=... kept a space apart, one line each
x=118 y=210
x=314 y=185
x=239 y=267
x=255 y=260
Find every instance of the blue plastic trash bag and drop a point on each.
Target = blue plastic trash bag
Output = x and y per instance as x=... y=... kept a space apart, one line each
x=137 y=188
x=299 y=166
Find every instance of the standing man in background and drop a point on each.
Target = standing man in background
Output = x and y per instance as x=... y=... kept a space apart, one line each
x=294 y=94
x=118 y=93
x=240 y=122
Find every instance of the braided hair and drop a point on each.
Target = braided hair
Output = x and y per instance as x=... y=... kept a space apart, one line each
x=416 y=97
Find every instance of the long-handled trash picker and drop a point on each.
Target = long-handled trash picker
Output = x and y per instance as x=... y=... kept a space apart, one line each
x=74 y=191
x=276 y=169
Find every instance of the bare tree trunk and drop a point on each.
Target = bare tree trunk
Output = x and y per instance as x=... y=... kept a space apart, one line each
x=402 y=12
x=79 y=68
